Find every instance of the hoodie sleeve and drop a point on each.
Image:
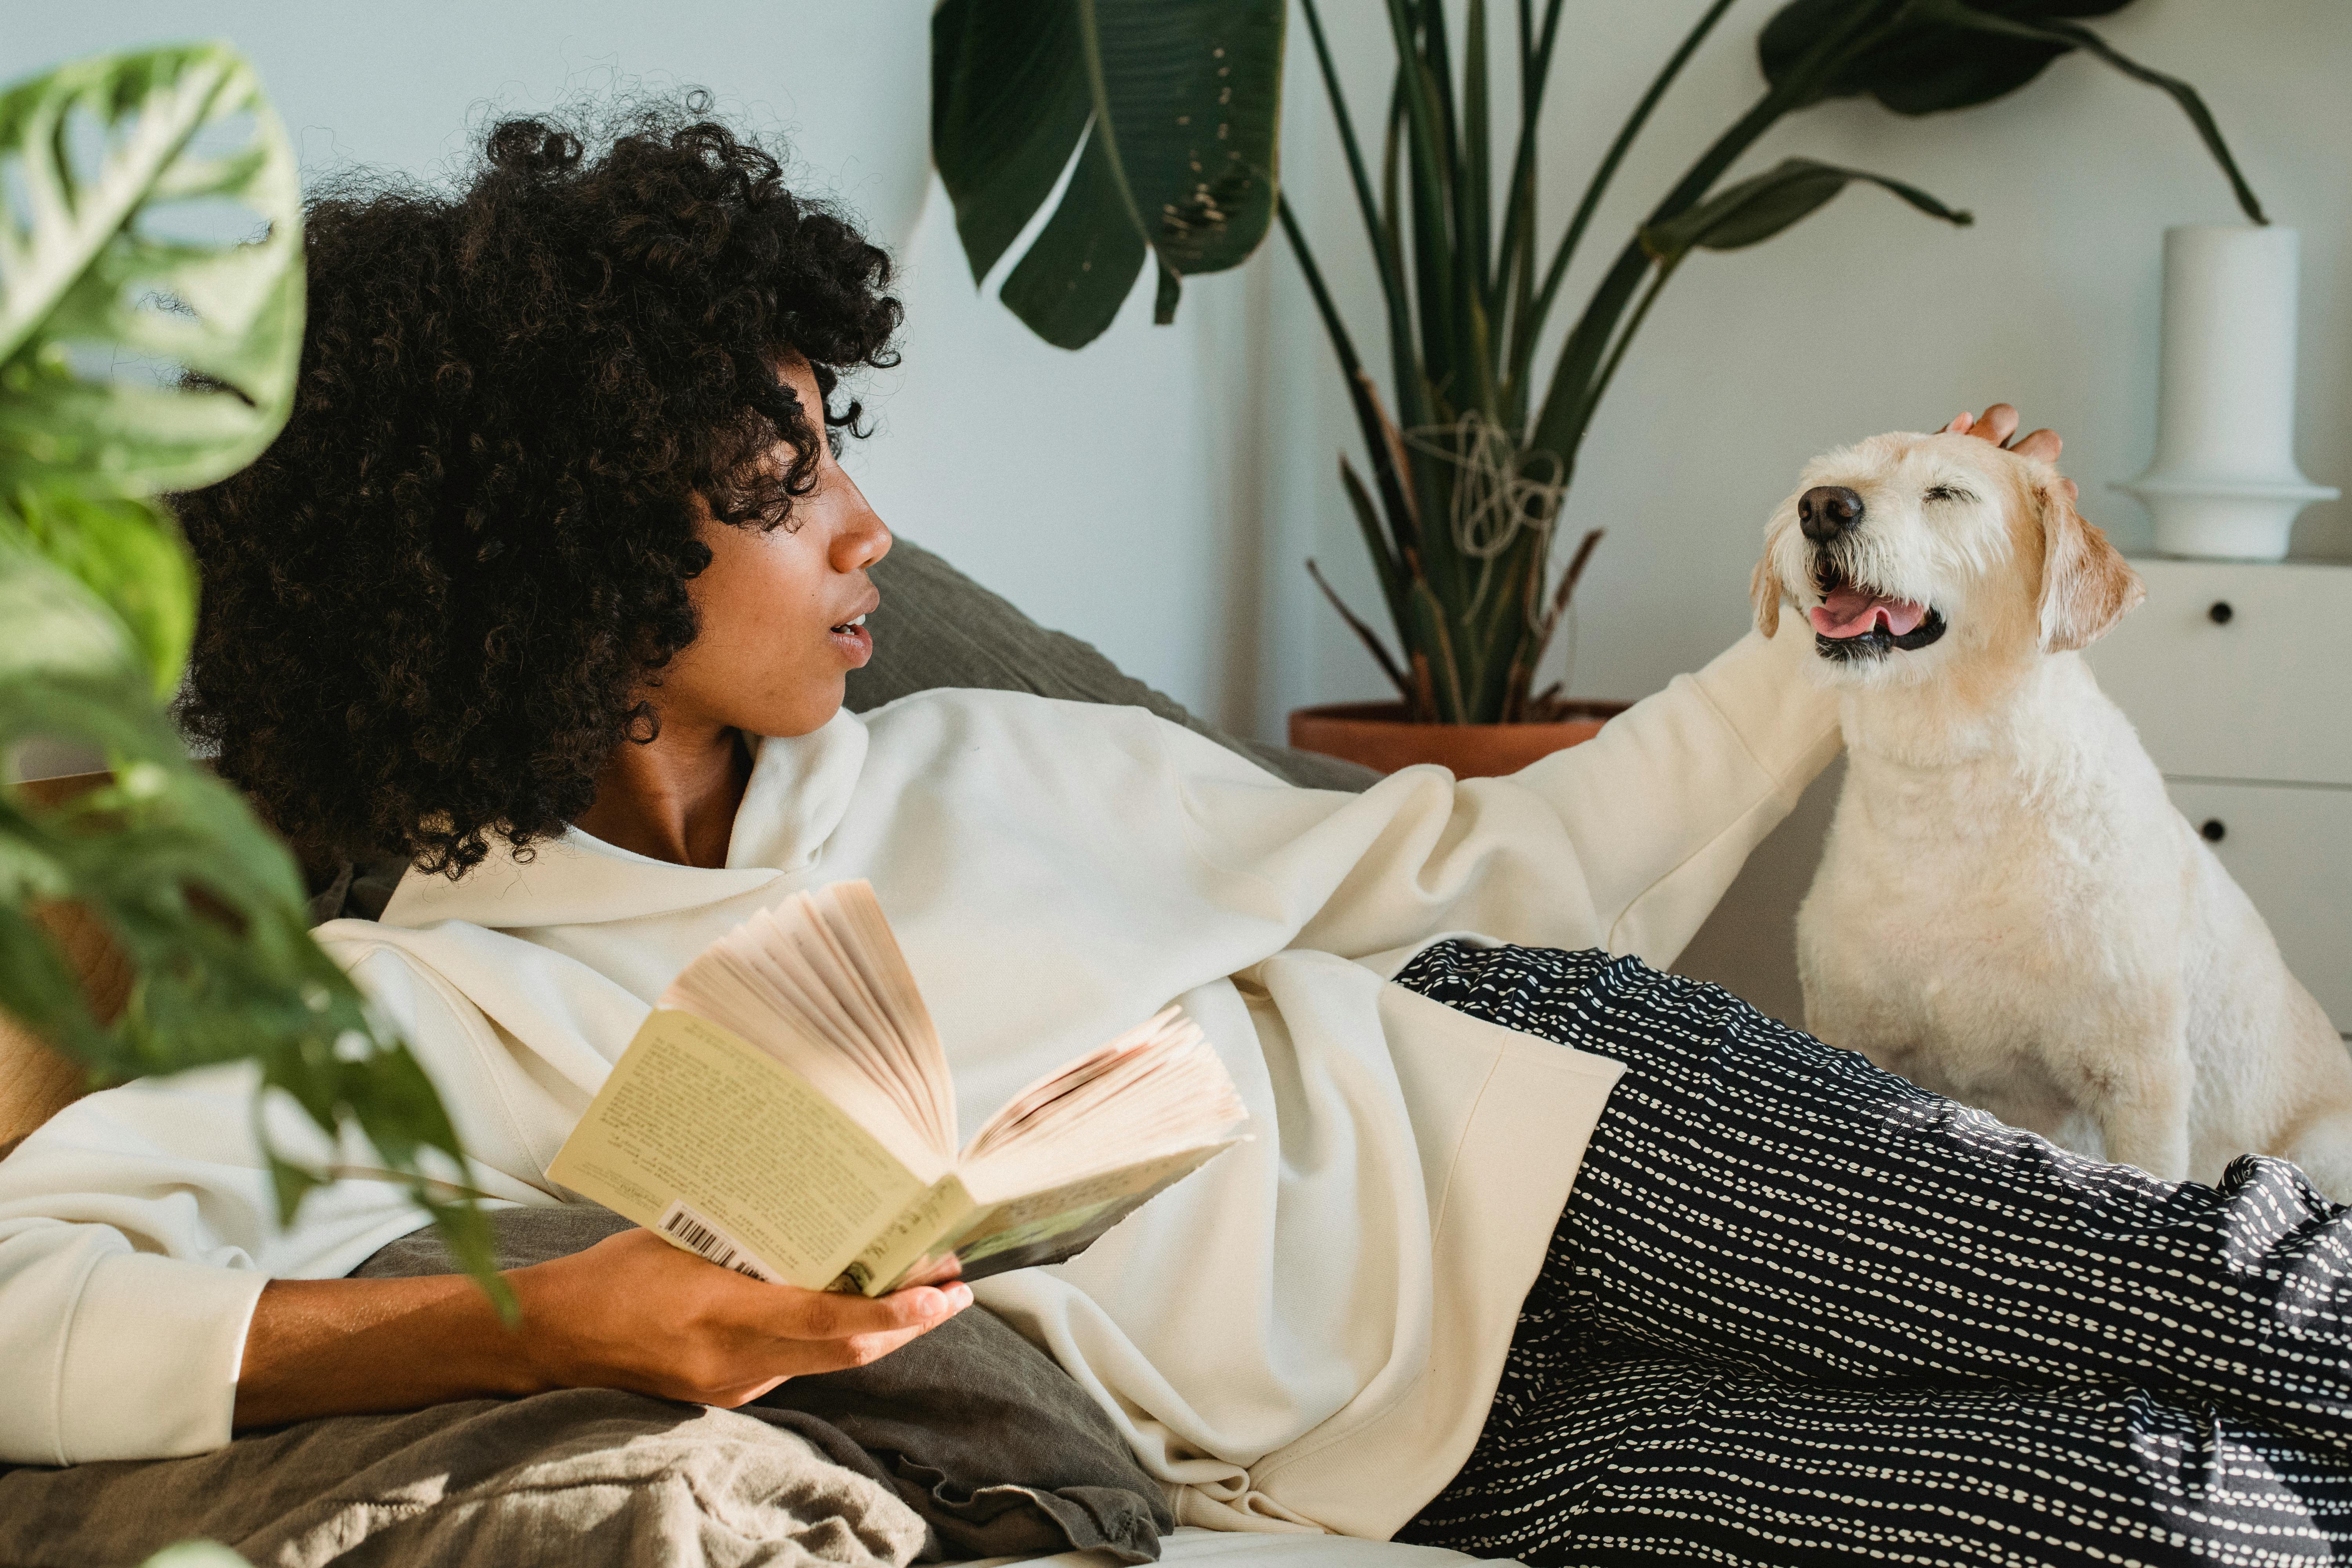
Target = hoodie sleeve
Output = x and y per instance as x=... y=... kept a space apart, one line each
x=130 y=1229
x=1625 y=842
x=138 y=1227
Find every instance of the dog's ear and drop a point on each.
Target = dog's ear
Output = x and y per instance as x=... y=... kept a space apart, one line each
x=2086 y=585
x=1766 y=589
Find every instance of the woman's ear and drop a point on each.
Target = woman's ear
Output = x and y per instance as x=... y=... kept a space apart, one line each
x=1766 y=589
x=2086 y=585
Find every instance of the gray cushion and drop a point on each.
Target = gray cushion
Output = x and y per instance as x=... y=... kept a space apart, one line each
x=991 y=1444
x=938 y=628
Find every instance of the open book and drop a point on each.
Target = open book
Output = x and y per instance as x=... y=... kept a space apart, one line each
x=786 y=1111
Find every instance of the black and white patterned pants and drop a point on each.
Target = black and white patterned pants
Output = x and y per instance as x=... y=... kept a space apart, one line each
x=1800 y=1311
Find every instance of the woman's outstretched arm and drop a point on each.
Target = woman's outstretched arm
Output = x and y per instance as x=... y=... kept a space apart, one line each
x=1625 y=842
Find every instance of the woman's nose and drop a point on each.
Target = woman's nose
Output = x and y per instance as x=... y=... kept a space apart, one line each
x=862 y=540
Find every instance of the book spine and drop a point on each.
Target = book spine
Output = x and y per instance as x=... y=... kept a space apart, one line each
x=886 y=1261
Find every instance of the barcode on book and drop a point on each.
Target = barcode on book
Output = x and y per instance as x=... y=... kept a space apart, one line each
x=697 y=1234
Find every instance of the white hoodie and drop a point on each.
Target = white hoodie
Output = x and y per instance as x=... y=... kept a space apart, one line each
x=1305 y=1334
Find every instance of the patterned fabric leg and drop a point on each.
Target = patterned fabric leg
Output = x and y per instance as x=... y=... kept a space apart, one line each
x=1799 y=1311
x=1632 y=1460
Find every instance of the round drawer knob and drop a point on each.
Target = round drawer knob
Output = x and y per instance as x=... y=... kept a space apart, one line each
x=2220 y=614
x=2213 y=830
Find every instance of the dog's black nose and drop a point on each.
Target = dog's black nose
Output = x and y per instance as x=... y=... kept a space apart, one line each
x=1827 y=510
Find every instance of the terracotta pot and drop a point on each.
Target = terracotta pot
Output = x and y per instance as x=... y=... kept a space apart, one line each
x=1377 y=735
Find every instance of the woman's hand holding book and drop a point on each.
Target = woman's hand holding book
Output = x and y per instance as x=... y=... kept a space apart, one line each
x=635 y=1312
x=631 y=1312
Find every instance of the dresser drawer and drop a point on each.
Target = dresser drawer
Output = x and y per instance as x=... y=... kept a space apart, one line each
x=2263 y=691
x=2291 y=850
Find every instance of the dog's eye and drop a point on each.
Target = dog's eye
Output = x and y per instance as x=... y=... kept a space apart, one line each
x=1947 y=492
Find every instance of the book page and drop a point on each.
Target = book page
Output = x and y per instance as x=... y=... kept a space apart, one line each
x=788 y=1111
x=818 y=983
x=1034 y=1229
x=693 y=1115
x=1157 y=1089
x=913 y=1237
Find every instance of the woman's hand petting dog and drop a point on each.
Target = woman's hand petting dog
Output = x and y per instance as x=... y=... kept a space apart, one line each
x=1997 y=424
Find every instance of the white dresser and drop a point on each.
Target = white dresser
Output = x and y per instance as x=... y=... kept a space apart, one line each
x=2239 y=678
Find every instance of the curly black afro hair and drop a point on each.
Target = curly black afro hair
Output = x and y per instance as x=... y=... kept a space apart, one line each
x=430 y=609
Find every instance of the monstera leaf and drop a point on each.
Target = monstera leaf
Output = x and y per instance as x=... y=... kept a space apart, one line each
x=132 y=360
x=202 y=901
x=126 y=551
x=1922 y=55
x=1170 y=108
x=87 y=273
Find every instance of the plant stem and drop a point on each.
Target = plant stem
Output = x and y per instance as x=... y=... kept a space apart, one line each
x=1389 y=263
x=1369 y=638
x=1519 y=216
x=1433 y=255
x=1379 y=453
x=1558 y=427
x=1404 y=347
x=1624 y=341
x=1477 y=149
x=1526 y=330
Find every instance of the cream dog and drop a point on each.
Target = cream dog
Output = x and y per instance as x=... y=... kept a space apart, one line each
x=2010 y=911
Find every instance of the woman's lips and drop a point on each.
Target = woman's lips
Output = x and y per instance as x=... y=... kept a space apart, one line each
x=855 y=643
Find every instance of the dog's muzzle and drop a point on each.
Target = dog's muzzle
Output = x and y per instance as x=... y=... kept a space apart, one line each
x=1879 y=643
x=1855 y=620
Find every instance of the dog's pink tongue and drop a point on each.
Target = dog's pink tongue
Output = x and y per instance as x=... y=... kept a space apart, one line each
x=1856 y=612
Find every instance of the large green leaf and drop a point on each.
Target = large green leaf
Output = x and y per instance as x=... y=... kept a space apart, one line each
x=1933 y=55
x=210 y=328
x=98 y=599
x=1178 y=104
x=1005 y=111
x=1072 y=281
x=203 y=901
x=1753 y=210
x=1960 y=14
x=1916 y=66
x=126 y=551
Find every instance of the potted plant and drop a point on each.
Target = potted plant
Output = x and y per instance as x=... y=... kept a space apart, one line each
x=1171 y=110
x=201 y=902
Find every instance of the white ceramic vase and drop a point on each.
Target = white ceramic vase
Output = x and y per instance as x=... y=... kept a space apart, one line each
x=2224 y=484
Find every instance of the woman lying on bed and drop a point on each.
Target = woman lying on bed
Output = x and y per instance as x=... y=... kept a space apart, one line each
x=551 y=584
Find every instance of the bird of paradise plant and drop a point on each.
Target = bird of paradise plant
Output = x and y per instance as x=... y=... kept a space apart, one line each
x=1470 y=454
